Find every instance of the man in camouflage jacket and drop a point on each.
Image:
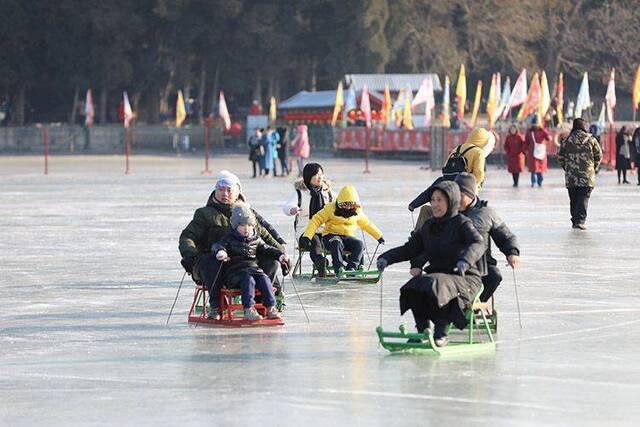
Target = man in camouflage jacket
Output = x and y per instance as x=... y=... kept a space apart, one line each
x=580 y=157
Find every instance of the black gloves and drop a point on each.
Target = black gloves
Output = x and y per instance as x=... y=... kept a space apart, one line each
x=305 y=243
x=410 y=207
x=381 y=264
x=381 y=240
x=461 y=267
x=286 y=267
x=188 y=263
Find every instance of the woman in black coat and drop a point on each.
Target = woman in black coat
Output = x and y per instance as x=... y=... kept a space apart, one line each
x=283 y=151
x=451 y=246
x=623 y=154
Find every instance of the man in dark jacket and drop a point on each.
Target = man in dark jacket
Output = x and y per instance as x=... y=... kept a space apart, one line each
x=491 y=227
x=580 y=157
x=209 y=224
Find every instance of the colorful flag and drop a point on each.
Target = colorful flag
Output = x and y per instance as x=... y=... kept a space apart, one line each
x=560 y=99
x=446 y=115
x=532 y=103
x=636 y=90
x=584 y=100
x=461 y=92
x=89 y=112
x=223 y=112
x=128 y=113
x=273 y=110
x=545 y=98
x=407 y=121
x=425 y=95
x=338 y=104
x=610 y=98
x=476 y=104
x=365 y=105
x=386 y=106
x=518 y=95
x=491 y=101
x=504 y=98
x=181 y=113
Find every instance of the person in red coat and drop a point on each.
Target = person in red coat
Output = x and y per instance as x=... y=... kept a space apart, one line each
x=535 y=146
x=514 y=149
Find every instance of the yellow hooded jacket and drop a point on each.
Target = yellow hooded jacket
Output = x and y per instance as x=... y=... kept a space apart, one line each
x=334 y=224
x=479 y=137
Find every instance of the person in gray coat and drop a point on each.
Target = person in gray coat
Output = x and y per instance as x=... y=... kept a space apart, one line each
x=451 y=246
x=491 y=227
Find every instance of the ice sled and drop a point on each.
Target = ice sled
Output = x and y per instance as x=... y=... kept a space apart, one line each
x=357 y=276
x=231 y=309
x=460 y=342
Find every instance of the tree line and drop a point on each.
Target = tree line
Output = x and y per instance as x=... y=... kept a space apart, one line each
x=53 y=50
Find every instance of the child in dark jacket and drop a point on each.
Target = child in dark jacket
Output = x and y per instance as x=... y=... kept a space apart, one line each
x=239 y=249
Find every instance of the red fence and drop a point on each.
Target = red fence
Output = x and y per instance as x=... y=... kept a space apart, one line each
x=419 y=141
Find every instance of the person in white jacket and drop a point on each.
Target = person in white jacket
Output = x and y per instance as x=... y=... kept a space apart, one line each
x=310 y=195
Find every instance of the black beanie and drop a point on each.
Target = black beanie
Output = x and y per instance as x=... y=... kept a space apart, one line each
x=579 y=124
x=467 y=184
x=310 y=170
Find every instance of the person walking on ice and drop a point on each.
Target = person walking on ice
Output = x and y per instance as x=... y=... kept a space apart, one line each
x=579 y=155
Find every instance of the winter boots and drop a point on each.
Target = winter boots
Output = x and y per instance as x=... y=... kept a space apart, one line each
x=214 y=314
x=272 y=313
x=251 y=314
x=440 y=333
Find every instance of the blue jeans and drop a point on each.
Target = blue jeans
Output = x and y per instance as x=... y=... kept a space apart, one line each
x=257 y=281
x=536 y=177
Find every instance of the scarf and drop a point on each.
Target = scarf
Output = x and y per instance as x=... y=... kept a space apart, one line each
x=317 y=199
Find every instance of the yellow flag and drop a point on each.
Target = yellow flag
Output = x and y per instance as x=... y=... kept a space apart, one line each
x=491 y=102
x=407 y=122
x=338 y=105
x=545 y=98
x=636 y=90
x=272 y=110
x=476 y=104
x=181 y=114
x=461 y=91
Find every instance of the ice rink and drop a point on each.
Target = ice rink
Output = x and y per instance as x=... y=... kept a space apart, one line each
x=90 y=267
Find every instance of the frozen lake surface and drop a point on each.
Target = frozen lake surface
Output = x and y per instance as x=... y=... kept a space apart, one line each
x=89 y=268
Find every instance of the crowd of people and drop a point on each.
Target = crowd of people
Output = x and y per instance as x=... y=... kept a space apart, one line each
x=228 y=243
x=268 y=146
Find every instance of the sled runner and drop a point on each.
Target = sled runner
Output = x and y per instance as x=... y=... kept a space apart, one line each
x=231 y=309
x=465 y=341
x=355 y=276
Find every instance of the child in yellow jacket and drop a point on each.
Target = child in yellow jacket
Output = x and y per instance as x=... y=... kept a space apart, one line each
x=340 y=219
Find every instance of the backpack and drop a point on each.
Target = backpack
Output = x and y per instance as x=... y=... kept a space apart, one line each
x=456 y=164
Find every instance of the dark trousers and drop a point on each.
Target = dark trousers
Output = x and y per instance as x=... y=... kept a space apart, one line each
x=337 y=244
x=516 y=178
x=209 y=266
x=579 y=202
x=284 y=166
x=536 y=178
x=622 y=172
x=424 y=307
x=256 y=167
x=490 y=282
x=316 y=253
x=259 y=281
